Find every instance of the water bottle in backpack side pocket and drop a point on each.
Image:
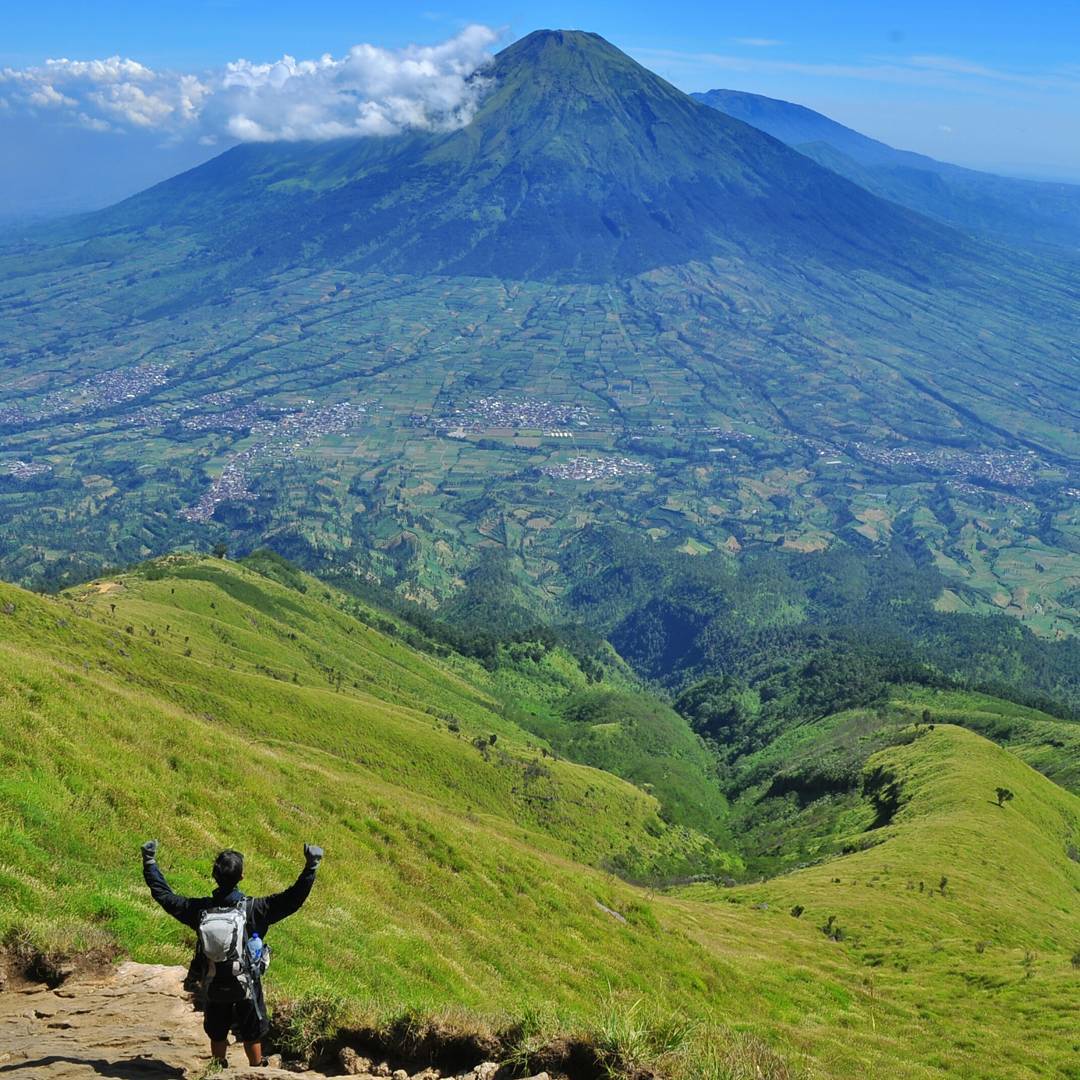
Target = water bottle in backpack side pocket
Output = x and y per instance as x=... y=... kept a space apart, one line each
x=258 y=954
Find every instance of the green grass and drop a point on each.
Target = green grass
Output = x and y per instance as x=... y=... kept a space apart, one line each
x=1046 y=743
x=980 y=968
x=449 y=886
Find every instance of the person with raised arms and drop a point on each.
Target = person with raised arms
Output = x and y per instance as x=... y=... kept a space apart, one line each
x=231 y=955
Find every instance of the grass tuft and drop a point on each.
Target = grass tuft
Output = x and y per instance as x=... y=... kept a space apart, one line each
x=301 y=1028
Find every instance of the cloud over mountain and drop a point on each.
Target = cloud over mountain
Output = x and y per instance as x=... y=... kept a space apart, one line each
x=368 y=91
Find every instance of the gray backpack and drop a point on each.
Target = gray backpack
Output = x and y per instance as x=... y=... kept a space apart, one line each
x=223 y=937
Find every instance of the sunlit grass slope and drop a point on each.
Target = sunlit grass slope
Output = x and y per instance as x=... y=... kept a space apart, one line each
x=805 y=795
x=258 y=661
x=962 y=920
x=1045 y=742
x=457 y=877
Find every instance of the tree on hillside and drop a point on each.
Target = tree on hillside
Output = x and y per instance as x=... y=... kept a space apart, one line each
x=1003 y=795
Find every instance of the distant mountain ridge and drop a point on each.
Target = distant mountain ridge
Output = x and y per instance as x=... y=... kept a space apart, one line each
x=1018 y=210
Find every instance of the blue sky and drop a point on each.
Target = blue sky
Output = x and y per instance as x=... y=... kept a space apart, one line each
x=994 y=85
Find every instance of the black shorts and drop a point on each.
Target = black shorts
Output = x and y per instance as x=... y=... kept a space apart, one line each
x=247 y=1019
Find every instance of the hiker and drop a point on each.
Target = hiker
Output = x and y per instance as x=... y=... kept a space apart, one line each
x=230 y=957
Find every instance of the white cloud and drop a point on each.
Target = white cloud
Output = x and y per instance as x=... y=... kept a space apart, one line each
x=94 y=123
x=113 y=70
x=368 y=91
x=46 y=96
x=757 y=42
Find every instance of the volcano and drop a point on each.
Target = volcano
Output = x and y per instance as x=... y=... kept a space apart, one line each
x=765 y=351
x=579 y=165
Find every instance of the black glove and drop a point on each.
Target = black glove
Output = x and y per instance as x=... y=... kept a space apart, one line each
x=314 y=855
x=149 y=851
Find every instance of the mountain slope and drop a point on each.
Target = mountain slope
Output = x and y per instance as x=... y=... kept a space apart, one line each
x=579 y=165
x=444 y=887
x=1024 y=211
x=241 y=649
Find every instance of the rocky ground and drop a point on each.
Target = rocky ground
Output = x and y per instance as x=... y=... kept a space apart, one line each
x=134 y=1023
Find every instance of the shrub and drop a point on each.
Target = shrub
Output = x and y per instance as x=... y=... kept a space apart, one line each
x=535 y=771
x=831 y=930
x=1029 y=964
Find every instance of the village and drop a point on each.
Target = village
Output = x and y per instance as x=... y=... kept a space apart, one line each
x=251 y=417
x=591 y=469
x=1005 y=468
x=550 y=417
x=281 y=440
x=26 y=470
x=91 y=395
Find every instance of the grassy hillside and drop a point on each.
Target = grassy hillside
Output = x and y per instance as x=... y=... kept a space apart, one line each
x=811 y=792
x=1045 y=742
x=963 y=919
x=458 y=876
x=241 y=651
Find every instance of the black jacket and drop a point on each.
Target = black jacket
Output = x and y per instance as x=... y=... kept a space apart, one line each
x=265 y=910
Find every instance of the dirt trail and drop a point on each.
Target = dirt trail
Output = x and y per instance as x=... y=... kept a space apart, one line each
x=132 y=1023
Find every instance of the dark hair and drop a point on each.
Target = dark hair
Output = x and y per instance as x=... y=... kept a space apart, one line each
x=228 y=868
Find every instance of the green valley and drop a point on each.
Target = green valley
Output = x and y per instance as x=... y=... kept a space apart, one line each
x=782 y=360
